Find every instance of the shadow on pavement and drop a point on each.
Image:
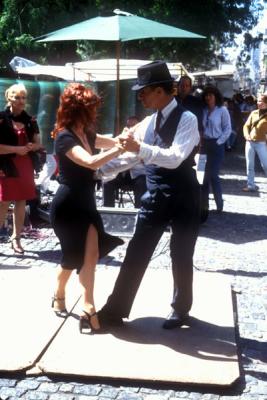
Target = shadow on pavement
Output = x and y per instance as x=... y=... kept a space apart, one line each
x=234 y=187
x=205 y=341
x=254 y=350
x=13 y=267
x=235 y=228
x=239 y=272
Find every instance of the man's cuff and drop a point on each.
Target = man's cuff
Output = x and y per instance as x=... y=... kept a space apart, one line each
x=145 y=151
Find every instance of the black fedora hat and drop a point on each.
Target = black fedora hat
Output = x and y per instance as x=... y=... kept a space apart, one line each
x=151 y=74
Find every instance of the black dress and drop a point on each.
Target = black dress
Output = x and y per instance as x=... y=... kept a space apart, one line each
x=73 y=208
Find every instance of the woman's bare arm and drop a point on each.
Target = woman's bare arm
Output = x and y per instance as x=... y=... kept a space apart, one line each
x=82 y=157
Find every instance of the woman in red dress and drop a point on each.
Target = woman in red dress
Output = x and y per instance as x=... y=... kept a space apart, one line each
x=19 y=138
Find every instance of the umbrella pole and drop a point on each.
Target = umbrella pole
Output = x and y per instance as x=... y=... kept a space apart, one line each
x=117 y=93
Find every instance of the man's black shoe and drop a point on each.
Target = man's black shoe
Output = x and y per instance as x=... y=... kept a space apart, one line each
x=175 y=320
x=108 y=320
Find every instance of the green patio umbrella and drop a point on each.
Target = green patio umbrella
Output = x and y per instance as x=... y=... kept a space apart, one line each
x=121 y=27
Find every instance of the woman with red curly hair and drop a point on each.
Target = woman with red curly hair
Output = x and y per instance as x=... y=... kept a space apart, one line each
x=74 y=216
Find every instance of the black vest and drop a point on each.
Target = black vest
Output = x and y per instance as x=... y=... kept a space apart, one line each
x=169 y=181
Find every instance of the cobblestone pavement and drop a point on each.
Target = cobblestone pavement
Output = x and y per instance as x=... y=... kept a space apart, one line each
x=235 y=244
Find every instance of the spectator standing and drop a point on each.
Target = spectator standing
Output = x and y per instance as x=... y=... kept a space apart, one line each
x=19 y=138
x=217 y=129
x=189 y=101
x=255 y=131
x=236 y=123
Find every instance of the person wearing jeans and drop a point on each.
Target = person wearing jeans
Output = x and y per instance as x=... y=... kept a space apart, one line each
x=217 y=129
x=255 y=131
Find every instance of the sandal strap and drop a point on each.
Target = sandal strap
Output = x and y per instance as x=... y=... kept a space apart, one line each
x=55 y=298
x=89 y=315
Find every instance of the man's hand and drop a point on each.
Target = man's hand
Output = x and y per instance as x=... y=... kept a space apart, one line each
x=129 y=143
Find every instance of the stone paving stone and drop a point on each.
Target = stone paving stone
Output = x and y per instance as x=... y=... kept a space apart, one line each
x=109 y=393
x=43 y=378
x=156 y=397
x=88 y=390
x=49 y=387
x=5 y=393
x=61 y=396
x=28 y=384
x=88 y=398
x=129 y=396
x=7 y=382
x=34 y=395
x=66 y=388
x=210 y=396
x=182 y=394
x=130 y=389
x=195 y=396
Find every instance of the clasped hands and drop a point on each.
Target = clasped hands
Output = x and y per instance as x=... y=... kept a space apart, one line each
x=127 y=141
x=22 y=150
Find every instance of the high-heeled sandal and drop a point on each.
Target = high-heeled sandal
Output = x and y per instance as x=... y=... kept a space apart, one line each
x=59 y=307
x=85 y=323
x=16 y=245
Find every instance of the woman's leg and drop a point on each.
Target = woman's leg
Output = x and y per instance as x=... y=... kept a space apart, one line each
x=63 y=276
x=58 y=301
x=250 y=164
x=261 y=150
x=18 y=221
x=217 y=159
x=18 y=218
x=87 y=274
x=3 y=211
x=205 y=187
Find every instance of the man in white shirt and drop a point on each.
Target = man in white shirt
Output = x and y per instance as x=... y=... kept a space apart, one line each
x=167 y=150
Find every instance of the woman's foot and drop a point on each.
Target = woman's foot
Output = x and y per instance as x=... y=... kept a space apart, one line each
x=16 y=245
x=89 y=322
x=59 y=307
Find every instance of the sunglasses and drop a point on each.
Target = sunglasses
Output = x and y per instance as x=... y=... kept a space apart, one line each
x=19 y=97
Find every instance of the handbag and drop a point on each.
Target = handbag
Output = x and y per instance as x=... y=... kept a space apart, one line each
x=38 y=159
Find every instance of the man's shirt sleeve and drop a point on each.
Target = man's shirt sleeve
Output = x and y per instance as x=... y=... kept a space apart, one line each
x=185 y=139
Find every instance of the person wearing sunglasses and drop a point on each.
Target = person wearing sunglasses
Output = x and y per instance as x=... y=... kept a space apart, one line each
x=19 y=138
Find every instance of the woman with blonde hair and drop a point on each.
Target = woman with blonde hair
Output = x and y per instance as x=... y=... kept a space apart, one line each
x=74 y=216
x=19 y=138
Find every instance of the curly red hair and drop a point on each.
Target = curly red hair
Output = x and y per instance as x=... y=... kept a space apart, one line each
x=78 y=103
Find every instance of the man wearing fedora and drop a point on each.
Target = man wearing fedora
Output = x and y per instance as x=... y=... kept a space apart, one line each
x=170 y=137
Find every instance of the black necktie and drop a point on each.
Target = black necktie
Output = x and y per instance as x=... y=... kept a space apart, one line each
x=158 y=120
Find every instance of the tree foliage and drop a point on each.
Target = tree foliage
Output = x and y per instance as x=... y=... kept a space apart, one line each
x=219 y=20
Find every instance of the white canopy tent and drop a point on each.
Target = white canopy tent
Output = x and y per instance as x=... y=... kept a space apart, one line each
x=92 y=70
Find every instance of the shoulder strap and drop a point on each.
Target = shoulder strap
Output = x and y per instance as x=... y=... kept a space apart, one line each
x=255 y=123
